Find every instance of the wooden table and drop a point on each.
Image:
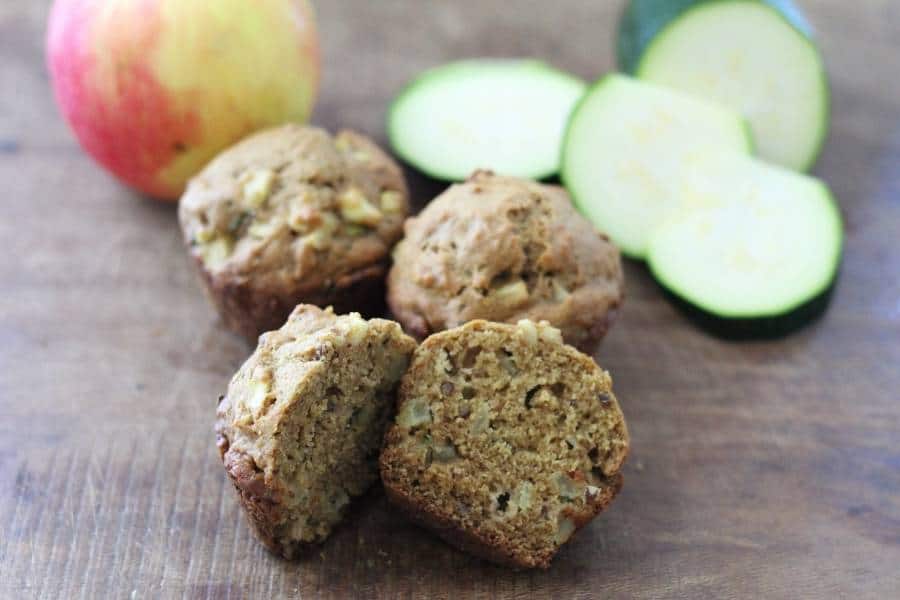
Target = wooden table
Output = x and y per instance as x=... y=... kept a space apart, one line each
x=759 y=469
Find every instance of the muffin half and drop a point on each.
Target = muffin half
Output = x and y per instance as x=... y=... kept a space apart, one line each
x=301 y=426
x=506 y=441
x=293 y=215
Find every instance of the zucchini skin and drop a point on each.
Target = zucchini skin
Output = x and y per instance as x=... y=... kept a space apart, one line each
x=749 y=329
x=767 y=327
x=642 y=20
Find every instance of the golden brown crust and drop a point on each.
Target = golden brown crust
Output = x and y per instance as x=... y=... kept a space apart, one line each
x=259 y=500
x=301 y=424
x=504 y=249
x=444 y=526
x=506 y=441
x=249 y=311
x=293 y=215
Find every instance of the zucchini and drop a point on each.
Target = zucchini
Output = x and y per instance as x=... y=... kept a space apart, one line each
x=754 y=251
x=504 y=115
x=756 y=56
x=626 y=146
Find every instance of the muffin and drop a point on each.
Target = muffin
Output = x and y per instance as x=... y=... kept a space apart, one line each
x=506 y=441
x=292 y=215
x=303 y=420
x=505 y=249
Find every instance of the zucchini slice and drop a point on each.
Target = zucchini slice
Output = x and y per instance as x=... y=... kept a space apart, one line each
x=625 y=149
x=504 y=115
x=755 y=250
x=756 y=56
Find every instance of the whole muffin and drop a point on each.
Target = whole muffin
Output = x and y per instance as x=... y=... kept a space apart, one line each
x=293 y=215
x=506 y=441
x=301 y=426
x=505 y=249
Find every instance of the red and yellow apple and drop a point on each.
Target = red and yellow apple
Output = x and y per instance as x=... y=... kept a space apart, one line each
x=153 y=89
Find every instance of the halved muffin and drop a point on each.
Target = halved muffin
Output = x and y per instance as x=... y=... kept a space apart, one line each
x=506 y=441
x=301 y=426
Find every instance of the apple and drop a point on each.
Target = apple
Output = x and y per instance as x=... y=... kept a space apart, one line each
x=153 y=89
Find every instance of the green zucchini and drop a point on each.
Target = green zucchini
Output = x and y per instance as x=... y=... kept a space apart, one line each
x=507 y=116
x=756 y=56
x=755 y=250
x=625 y=149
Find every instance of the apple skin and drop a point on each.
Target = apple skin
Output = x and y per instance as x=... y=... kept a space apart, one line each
x=153 y=89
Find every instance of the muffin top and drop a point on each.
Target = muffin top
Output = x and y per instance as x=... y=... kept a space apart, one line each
x=294 y=207
x=504 y=249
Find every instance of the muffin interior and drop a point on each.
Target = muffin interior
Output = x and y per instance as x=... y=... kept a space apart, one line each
x=302 y=424
x=329 y=444
x=504 y=432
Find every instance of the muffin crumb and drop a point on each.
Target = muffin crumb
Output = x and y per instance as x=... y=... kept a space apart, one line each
x=506 y=463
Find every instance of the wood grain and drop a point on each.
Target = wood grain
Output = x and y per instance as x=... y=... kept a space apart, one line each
x=759 y=469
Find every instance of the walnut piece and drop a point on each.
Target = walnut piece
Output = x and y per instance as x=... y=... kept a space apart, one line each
x=391 y=202
x=216 y=252
x=355 y=208
x=512 y=294
x=528 y=331
x=320 y=237
x=256 y=186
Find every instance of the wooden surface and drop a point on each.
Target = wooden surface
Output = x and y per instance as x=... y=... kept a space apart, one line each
x=759 y=469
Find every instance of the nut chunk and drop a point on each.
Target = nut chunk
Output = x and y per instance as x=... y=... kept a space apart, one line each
x=301 y=425
x=506 y=441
